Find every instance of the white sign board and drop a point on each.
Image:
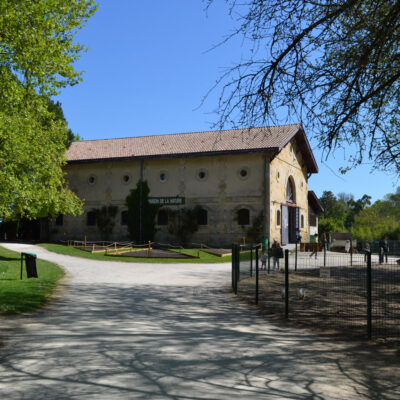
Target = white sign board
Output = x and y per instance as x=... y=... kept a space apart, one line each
x=324 y=272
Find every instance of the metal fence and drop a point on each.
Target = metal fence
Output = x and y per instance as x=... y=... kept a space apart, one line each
x=349 y=293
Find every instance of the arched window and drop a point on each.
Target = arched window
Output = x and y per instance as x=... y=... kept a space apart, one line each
x=162 y=217
x=243 y=216
x=302 y=221
x=290 y=191
x=124 y=217
x=202 y=217
x=278 y=217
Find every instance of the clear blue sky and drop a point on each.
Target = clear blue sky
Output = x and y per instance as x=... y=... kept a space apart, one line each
x=148 y=68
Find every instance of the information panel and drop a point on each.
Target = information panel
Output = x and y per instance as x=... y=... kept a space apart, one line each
x=167 y=201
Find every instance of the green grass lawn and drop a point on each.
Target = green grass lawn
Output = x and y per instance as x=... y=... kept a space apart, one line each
x=71 y=251
x=18 y=296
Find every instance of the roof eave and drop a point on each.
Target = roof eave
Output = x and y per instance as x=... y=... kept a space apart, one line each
x=177 y=155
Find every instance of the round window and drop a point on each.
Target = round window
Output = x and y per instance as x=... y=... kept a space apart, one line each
x=126 y=178
x=243 y=173
x=92 y=180
x=202 y=174
x=163 y=176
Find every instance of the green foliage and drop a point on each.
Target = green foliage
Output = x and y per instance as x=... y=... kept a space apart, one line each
x=105 y=220
x=183 y=223
x=340 y=211
x=329 y=225
x=255 y=232
x=56 y=109
x=37 y=52
x=149 y=212
x=380 y=219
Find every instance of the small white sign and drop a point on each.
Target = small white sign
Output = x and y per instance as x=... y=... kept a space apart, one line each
x=324 y=272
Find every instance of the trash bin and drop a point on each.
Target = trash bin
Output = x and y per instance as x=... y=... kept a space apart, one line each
x=30 y=263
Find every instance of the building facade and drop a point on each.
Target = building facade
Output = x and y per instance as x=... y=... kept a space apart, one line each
x=236 y=177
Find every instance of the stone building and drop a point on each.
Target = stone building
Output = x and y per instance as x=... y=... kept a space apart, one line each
x=234 y=176
x=314 y=210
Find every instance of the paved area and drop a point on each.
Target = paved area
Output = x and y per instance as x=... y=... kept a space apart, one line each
x=170 y=331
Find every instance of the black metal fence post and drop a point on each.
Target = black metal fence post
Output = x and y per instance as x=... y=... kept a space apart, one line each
x=269 y=258
x=295 y=258
x=287 y=283
x=369 y=296
x=256 y=275
x=251 y=260
x=324 y=254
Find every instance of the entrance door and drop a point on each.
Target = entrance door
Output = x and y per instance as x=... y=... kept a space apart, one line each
x=285 y=225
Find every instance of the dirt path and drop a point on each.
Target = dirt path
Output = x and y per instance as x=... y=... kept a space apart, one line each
x=141 y=331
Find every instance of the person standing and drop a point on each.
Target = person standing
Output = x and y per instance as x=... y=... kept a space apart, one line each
x=263 y=261
x=383 y=250
x=347 y=246
x=367 y=250
x=276 y=253
x=315 y=246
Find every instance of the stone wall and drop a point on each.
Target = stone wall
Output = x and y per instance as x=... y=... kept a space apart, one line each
x=220 y=184
x=288 y=164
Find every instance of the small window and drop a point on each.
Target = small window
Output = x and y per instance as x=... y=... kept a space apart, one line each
x=124 y=218
x=243 y=173
x=163 y=176
x=162 y=217
x=278 y=217
x=302 y=221
x=92 y=180
x=91 y=218
x=202 y=217
x=313 y=220
x=59 y=220
x=202 y=174
x=126 y=178
x=243 y=216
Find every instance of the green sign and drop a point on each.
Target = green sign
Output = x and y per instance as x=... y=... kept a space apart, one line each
x=167 y=201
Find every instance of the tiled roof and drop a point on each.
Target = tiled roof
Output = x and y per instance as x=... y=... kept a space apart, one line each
x=185 y=144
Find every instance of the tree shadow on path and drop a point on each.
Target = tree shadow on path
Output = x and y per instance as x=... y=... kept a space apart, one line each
x=165 y=342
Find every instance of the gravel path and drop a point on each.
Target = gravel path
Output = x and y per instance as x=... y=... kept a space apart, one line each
x=170 y=331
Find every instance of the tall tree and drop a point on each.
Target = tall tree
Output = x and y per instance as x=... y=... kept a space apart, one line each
x=37 y=52
x=332 y=64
